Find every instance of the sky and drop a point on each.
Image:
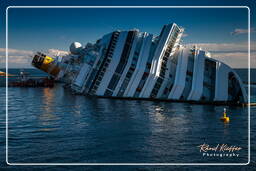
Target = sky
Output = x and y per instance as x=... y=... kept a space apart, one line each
x=221 y=31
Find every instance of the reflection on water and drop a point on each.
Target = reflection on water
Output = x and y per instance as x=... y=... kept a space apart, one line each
x=158 y=114
x=225 y=128
x=53 y=125
x=47 y=114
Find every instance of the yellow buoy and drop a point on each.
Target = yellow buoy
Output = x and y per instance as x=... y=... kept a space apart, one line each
x=224 y=118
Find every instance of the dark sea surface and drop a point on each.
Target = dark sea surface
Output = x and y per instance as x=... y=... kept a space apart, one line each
x=51 y=125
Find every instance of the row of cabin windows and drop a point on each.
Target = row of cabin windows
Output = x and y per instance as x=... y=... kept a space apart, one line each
x=189 y=77
x=113 y=82
x=156 y=88
x=108 y=93
x=127 y=79
x=164 y=63
x=123 y=61
x=141 y=84
x=90 y=79
x=123 y=87
x=105 y=63
x=168 y=87
x=209 y=80
x=131 y=70
x=147 y=69
x=163 y=68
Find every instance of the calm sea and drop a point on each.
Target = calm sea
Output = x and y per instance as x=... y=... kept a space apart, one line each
x=51 y=125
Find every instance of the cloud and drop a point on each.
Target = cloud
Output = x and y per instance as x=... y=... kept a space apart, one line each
x=242 y=31
x=236 y=60
x=16 y=51
x=22 y=58
x=57 y=52
x=184 y=35
x=233 y=54
x=16 y=58
x=225 y=47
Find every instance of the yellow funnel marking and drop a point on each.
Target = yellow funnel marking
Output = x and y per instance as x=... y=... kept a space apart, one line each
x=48 y=60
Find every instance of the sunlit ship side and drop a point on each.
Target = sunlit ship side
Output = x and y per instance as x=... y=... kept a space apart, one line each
x=133 y=64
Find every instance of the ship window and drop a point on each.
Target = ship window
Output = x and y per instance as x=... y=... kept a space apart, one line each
x=97 y=83
x=108 y=93
x=162 y=73
x=141 y=84
x=132 y=68
x=138 y=89
x=148 y=65
x=203 y=98
x=101 y=74
x=144 y=76
x=157 y=86
x=160 y=80
x=128 y=75
x=99 y=78
x=113 y=82
x=165 y=90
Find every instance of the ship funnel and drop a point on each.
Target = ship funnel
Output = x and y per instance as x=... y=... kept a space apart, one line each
x=46 y=64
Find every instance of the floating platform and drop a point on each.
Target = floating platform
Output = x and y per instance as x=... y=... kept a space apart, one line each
x=24 y=80
x=40 y=82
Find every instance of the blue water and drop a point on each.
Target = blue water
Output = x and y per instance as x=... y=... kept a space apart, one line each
x=31 y=71
x=51 y=125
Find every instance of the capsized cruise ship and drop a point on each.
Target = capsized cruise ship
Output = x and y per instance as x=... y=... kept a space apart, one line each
x=134 y=64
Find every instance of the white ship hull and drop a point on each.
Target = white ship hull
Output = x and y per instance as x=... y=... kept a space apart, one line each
x=132 y=64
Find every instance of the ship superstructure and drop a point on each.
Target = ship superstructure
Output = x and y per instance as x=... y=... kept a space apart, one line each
x=134 y=64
